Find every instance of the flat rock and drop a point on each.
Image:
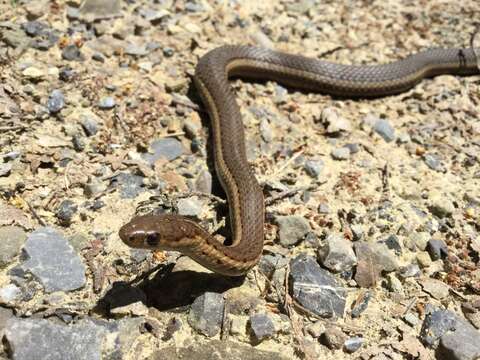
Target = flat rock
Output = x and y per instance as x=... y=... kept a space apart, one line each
x=206 y=313
x=52 y=260
x=315 y=288
x=262 y=326
x=92 y=10
x=337 y=254
x=292 y=229
x=12 y=239
x=167 y=148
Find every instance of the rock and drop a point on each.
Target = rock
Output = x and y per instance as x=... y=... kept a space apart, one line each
x=34 y=28
x=238 y=325
x=441 y=206
x=323 y=208
x=357 y=232
x=316 y=329
x=166 y=148
x=12 y=239
x=393 y=243
x=65 y=212
x=217 y=349
x=353 y=147
x=204 y=182
x=5 y=169
x=33 y=73
x=269 y=263
x=385 y=130
x=367 y=272
x=72 y=53
x=52 y=260
x=315 y=288
x=337 y=254
x=434 y=162
x=437 y=249
x=56 y=101
x=361 y=304
x=262 y=326
x=420 y=239
x=342 y=153
x=10 y=293
x=93 y=10
x=135 y=309
x=130 y=185
x=334 y=121
x=436 y=288
x=42 y=339
x=333 y=338
x=206 y=313
x=292 y=229
x=266 y=130
x=353 y=344
x=394 y=284
x=89 y=125
x=314 y=167
x=191 y=206
x=107 y=103
x=455 y=338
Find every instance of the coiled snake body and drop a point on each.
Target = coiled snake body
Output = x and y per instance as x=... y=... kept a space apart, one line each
x=245 y=197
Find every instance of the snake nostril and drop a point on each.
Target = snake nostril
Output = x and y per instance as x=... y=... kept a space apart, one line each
x=152 y=239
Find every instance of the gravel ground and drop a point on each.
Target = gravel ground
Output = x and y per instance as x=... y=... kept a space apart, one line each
x=373 y=206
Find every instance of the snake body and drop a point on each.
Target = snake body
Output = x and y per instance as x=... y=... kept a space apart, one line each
x=245 y=197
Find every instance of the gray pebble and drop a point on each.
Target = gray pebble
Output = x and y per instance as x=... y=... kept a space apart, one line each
x=353 y=147
x=10 y=293
x=342 y=153
x=206 y=313
x=361 y=304
x=72 y=53
x=333 y=338
x=204 y=182
x=266 y=130
x=292 y=229
x=314 y=167
x=323 y=208
x=130 y=185
x=353 y=344
x=5 y=169
x=52 y=260
x=43 y=339
x=437 y=249
x=385 y=130
x=12 y=239
x=107 y=103
x=167 y=148
x=315 y=288
x=337 y=254
x=262 y=326
x=65 y=211
x=191 y=206
x=56 y=101
x=90 y=126
x=434 y=162
x=269 y=263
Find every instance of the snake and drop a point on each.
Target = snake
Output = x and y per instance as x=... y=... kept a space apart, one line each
x=241 y=252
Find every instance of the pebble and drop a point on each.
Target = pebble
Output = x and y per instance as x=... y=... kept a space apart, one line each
x=34 y=28
x=90 y=126
x=72 y=53
x=292 y=229
x=323 y=208
x=342 y=153
x=437 y=249
x=316 y=329
x=353 y=344
x=334 y=121
x=12 y=239
x=262 y=326
x=337 y=254
x=357 y=231
x=266 y=130
x=314 y=167
x=10 y=293
x=166 y=148
x=5 y=169
x=394 y=285
x=130 y=185
x=361 y=304
x=270 y=262
x=393 y=243
x=441 y=206
x=65 y=212
x=238 y=325
x=52 y=260
x=42 y=339
x=333 y=338
x=315 y=288
x=34 y=73
x=353 y=147
x=450 y=333
x=107 y=103
x=204 y=181
x=56 y=101
x=206 y=313
x=133 y=309
x=434 y=162
x=384 y=129
x=436 y=288
x=367 y=271
x=191 y=206
x=92 y=10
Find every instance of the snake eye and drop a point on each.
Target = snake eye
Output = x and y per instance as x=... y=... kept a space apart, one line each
x=152 y=239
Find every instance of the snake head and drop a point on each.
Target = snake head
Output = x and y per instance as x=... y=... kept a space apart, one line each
x=140 y=233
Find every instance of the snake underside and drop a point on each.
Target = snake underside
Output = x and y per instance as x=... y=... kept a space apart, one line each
x=245 y=197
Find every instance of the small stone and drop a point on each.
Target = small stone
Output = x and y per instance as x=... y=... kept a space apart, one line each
x=353 y=147
x=34 y=28
x=385 y=130
x=437 y=249
x=333 y=338
x=262 y=326
x=65 y=212
x=423 y=259
x=52 y=260
x=238 y=325
x=316 y=329
x=190 y=206
x=436 y=288
x=5 y=169
x=323 y=208
x=361 y=304
x=12 y=239
x=43 y=339
x=206 y=313
x=166 y=148
x=33 y=73
x=337 y=254
x=420 y=239
x=334 y=121
x=342 y=153
x=393 y=243
x=292 y=229
x=130 y=185
x=357 y=231
x=56 y=101
x=433 y=162
x=266 y=130
x=271 y=262
x=90 y=126
x=204 y=182
x=134 y=309
x=315 y=288
x=394 y=284
x=367 y=272
x=10 y=293
x=314 y=167
x=72 y=53
x=93 y=10
x=441 y=206
x=411 y=319
x=353 y=344
x=66 y=74
x=107 y=103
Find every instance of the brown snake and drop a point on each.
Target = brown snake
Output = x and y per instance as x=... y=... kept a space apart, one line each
x=245 y=197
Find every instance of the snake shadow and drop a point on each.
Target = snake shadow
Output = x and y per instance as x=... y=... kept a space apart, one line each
x=165 y=289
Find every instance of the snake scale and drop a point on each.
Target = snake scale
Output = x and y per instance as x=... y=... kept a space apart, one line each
x=245 y=197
